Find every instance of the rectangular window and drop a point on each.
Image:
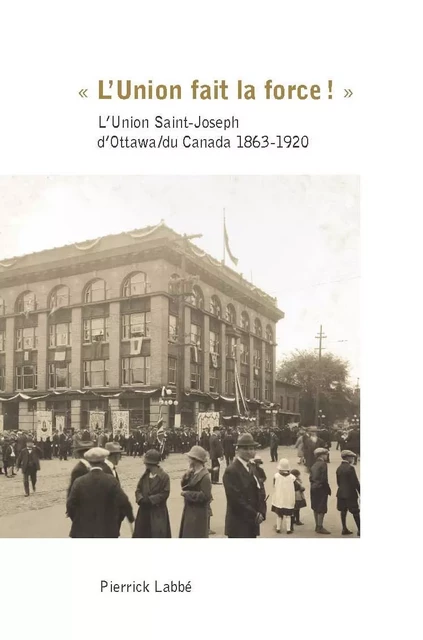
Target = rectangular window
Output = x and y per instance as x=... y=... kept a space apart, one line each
x=245 y=387
x=26 y=377
x=230 y=346
x=172 y=370
x=230 y=382
x=26 y=338
x=214 y=385
x=59 y=375
x=2 y=340
x=136 y=325
x=257 y=358
x=96 y=373
x=257 y=390
x=267 y=394
x=196 y=377
x=268 y=365
x=96 y=330
x=60 y=335
x=136 y=370
x=214 y=342
x=244 y=351
x=173 y=328
x=2 y=378
x=196 y=335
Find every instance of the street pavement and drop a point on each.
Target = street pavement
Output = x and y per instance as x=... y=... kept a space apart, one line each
x=42 y=515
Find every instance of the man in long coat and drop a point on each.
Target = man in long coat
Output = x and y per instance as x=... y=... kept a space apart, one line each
x=244 y=510
x=83 y=466
x=216 y=452
x=348 y=491
x=228 y=447
x=151 y=495
x=29 y=461
x=96 y=503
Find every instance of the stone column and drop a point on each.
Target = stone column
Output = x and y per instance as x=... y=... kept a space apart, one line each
x=185 y=340
x=206 y=351
x=222 y=338
x=251 y=347
x=76 y=413
x=274 y=373
x=42 y=352
x=114 y=345
x=76 y=355
x=10 y=355
x=159 y=334
x=263 y=369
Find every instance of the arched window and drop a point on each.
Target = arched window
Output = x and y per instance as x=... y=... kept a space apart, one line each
x=136 y=284
x=230 y=314
x=215 y=306
x=59 y=297
x=197 y=298
x=245 y=321
x=257 y=328
x=174 y=284
x=2 y=307
x=269 y=333
x=26 y=302
x=95 y=291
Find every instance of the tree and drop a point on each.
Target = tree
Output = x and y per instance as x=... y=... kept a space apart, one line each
x=337 y=398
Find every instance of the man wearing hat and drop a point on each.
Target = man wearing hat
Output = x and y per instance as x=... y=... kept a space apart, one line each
x=197 y=493
x=83 y=466
x=151 y=495
x=96 y=503
x=216 y=452
x=29 y=461
x=319 y=488
x=115 y=454
x=245 y=509
x=311 y=442
x=348 y=491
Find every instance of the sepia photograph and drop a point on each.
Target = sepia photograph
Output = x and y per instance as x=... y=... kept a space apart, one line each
x=180 y=356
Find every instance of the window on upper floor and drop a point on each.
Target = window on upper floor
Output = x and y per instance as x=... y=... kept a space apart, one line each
x=230 y=315
x=59 y=375
x=2 y=307
x=26 y=302
x=197 y=297
x=269 y=333
x=26 y=377
x=173 y=328
x=96 y=373
x=60 y=334
x=214 y=342
x=172 y=370
x=96 y=330
x=26 y=338
x=59 y=297
x=136 y=370
x=136 y=284
x=258 y=328
x=136 y=325
x=2 y=340
x=95 y=291
x=245 y=321
x=215 y=307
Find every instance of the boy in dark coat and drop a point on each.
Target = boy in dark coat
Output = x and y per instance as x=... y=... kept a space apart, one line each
x=348 y=491
x=151 y=495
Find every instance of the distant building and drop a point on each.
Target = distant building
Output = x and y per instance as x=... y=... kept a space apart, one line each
x=106 y=324
x=288 y=398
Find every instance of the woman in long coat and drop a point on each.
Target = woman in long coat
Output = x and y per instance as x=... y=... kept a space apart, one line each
x=197 y=493
x=151 y=495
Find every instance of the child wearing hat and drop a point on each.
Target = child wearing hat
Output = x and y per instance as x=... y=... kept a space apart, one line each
x=300 y=500
x=283 y=499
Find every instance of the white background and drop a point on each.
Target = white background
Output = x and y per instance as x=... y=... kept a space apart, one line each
x=51 y=50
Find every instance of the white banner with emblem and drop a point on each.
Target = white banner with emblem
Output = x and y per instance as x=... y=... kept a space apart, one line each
x=44 y=425
x=207 y=420
x=60 y=424
x=120 y=423
x=97 y=420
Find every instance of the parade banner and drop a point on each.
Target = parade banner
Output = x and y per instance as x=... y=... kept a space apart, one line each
x=97 y=420
x=207 y=420
x=60 y=424
x=1 y=423
x=120 y=423
x=44 y=425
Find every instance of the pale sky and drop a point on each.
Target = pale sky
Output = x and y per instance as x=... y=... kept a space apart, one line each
x=296 y=236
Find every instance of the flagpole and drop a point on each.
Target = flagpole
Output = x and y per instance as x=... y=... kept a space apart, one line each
x=224 y=243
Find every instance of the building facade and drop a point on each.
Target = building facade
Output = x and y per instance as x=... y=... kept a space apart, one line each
x=288 y=401
x=106 y=324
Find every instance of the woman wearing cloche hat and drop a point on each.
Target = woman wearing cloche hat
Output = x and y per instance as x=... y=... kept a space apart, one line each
x=283 y=499
x=151 y=495
x=197 y=493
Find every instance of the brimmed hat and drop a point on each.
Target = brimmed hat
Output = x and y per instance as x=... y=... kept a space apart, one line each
x=198 y=453
x=312 y=429
x=320 y=451
x=81 y=446
x=346 y=453
x=152 y=457
x=246 y=440
x=113 y=447
x=284 y=465
x=96 y=454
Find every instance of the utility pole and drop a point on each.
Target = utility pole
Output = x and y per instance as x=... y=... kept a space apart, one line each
x=320 y=338
x=180 y=372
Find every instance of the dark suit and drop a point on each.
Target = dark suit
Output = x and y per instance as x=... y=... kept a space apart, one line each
x=348 y=488
x=229 y=448
x=82 y=468
x=29 y=462
x=216 y=452
x=97 y=505
x=243 y=502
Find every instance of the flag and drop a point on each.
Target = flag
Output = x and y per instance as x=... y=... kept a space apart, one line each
x=136 y=346
x=226 y=238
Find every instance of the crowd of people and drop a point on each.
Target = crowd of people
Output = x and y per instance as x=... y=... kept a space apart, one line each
x=97 y=504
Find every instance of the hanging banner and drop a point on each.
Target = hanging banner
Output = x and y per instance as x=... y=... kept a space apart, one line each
x=1 y=423
x=44 y=425
x=207 y=420
x=97 y=420
x=120 y=423
x=60 y=424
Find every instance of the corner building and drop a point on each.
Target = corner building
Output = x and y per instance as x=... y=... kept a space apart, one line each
x=107 y=323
